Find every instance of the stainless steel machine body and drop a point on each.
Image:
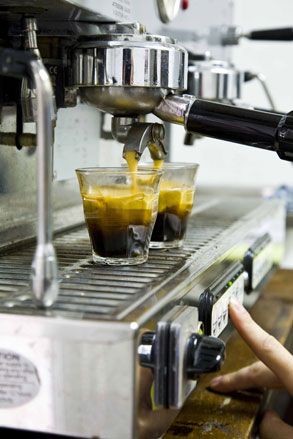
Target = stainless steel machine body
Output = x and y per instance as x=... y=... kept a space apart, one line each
x=74 y=369
x=86 y=366
x=155 y=67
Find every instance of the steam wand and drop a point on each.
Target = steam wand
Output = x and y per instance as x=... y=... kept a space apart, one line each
x=21 y=64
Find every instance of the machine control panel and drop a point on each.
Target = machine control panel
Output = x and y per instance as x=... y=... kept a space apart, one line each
x=178 y=354
x=190 y=355
x=258 y=261
x=213 y=302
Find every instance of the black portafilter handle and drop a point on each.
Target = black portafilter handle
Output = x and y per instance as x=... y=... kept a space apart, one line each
x=281 y=34
x=260 y=129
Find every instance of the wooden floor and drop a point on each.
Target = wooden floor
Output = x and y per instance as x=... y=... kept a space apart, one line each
x=210 y=415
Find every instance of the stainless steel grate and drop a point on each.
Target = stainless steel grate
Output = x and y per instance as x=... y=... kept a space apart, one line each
x=91 y=291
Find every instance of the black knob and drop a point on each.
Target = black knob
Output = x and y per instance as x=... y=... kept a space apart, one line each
x=146 y=349
x=205 y=354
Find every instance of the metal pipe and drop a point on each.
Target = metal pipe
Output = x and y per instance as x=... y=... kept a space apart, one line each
x=19 y=64
x=30 y=35
x=44 y=266
x=262 y=81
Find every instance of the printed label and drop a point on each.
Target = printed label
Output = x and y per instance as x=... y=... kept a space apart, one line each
x=19 y=380
x=262 y=264
x=220 y=308
x=121 y=9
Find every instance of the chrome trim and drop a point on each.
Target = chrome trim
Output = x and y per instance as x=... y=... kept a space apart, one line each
x=215 y=80
x=44 y=266
x=174 y=108
x=128 y=74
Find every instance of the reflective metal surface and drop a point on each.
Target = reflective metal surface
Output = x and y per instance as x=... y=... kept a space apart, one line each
x=174 y=109
x=146 y=135
x=91 y=291
x=215 y=80
x=44 y=267
x=84 y=348
x=123 y=101
x=68 y=10
x=101 y=312
x=128 y=74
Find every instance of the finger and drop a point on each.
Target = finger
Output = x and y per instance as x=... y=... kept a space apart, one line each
x=255 y=375
x=265 y=347
x=273 y=427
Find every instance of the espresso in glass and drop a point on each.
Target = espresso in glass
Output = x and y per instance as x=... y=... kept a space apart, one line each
x=120 y=210
x=175 y=205
x=176 y=200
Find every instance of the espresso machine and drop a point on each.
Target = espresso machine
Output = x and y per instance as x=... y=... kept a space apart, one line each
x=111 y=352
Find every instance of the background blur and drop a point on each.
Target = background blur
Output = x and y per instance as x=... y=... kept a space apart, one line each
x=225 y=164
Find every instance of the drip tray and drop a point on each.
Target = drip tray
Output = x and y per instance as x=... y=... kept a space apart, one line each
x=108 y=292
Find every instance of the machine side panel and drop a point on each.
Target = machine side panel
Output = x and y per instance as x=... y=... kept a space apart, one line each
x=84 y=378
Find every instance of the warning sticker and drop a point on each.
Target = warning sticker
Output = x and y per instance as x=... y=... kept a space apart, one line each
x=19 y=380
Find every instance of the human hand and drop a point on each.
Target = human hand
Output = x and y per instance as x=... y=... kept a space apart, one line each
x=275 y=370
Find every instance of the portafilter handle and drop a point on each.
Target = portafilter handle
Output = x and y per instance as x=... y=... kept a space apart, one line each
x=44 y=276
x=260 y=129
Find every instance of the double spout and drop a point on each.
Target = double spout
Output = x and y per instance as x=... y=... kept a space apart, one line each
x=137 y=136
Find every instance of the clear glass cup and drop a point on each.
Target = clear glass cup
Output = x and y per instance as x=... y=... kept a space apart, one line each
x=177 y=190
x=120 y=209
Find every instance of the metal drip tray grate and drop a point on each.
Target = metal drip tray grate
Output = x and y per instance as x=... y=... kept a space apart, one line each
x=91 y=291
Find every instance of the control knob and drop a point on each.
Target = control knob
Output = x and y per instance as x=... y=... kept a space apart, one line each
x=205 y=354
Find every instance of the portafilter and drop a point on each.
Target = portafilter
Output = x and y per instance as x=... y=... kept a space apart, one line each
x=135 y=73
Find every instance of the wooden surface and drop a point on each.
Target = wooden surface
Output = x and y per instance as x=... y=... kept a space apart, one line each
x=207 y=414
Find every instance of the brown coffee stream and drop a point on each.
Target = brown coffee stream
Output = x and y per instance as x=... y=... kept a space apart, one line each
x=132 y=163
x=158 y=164
x=175 y=198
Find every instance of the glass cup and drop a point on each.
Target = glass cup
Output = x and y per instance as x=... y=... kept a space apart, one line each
x=176 y=198
x=120 y=209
